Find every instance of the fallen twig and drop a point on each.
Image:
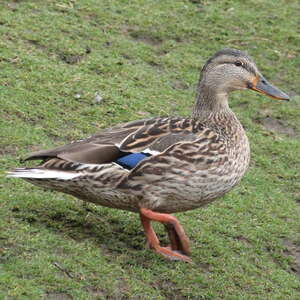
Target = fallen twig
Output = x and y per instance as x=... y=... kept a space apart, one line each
x=57 y=265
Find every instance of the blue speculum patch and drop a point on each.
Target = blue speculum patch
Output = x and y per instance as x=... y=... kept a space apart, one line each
x=131 y=160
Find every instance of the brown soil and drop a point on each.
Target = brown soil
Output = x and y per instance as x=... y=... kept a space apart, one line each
x=278 y=126
x=293 y=249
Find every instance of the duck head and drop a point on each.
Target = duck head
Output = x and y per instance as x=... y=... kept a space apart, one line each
x=231 y=69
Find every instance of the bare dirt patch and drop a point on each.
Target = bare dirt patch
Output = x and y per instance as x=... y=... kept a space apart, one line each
x=73 y=59
x=169 y=289
x=58 y=296
x=278 y=126
x=297 y=198
x=96 y=292
x=179 y=85
x=293 y=93
x=9 y=150
x=37 y=44
x=13 y=5
x=13 y=150
x=242 y=238
x=119 y=293
x=145 y=37
x=293 y=249
x=157 y=66
x=70 y=58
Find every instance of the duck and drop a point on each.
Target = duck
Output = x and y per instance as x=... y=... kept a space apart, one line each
x=162 y=165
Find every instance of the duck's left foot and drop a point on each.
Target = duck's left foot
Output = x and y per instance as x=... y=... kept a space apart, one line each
x=179 y=248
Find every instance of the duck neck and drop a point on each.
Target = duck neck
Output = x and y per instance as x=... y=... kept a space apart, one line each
x=210 y=101
x=212 y=108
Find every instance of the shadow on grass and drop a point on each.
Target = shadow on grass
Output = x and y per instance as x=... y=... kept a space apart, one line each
x=114 y=234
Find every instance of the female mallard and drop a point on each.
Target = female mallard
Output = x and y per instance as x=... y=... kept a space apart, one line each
x=162 y=165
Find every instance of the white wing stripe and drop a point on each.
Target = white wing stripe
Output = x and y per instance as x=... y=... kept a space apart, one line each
x=42 y=174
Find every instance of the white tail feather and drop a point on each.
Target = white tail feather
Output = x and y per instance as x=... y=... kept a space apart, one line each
x=42 y=174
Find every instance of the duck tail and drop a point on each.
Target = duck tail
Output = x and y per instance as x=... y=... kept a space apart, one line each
x=41 y=173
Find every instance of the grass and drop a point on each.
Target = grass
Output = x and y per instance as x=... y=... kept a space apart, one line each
x=143 y=58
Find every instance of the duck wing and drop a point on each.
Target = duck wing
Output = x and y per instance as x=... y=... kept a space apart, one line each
x=96 y=149
x=151 y=136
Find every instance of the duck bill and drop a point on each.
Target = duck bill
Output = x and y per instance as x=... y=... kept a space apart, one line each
x=261 y=85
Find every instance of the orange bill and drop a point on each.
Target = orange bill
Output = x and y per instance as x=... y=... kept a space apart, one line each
x=261 y=85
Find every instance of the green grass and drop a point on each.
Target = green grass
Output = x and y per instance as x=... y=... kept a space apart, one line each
x=144 y=57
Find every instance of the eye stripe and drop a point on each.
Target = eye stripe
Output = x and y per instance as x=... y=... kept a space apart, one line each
x=246 y=66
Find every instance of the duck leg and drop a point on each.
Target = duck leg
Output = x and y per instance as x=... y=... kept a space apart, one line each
x=178 y=239
x=175 y=241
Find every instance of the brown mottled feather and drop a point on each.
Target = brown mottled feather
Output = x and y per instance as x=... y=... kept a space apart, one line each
x=99 y=148
x=156 y=134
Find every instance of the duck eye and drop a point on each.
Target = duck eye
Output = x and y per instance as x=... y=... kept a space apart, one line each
x=238 y=63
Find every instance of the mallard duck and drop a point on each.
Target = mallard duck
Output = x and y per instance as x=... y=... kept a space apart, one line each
x=162 y=165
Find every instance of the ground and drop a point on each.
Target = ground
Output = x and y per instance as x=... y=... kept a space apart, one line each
x=69 y=68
